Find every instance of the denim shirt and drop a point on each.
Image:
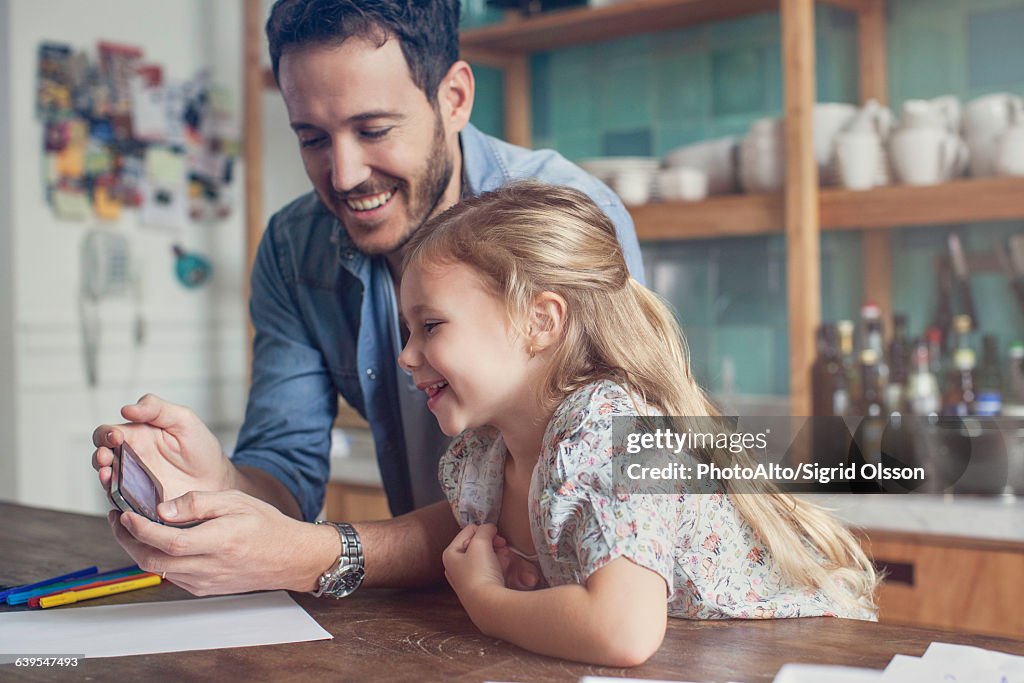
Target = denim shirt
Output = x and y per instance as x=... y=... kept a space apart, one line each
x=322 y=311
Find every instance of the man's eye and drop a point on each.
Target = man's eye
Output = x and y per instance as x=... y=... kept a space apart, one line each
x=375 y=133
x=308 y=143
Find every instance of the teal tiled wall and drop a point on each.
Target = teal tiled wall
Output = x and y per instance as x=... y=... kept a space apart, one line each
x=648 y=94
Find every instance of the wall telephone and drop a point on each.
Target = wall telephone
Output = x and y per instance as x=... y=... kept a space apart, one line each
x=106 y=272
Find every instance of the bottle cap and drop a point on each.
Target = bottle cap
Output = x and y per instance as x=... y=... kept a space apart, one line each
x=870 y=311
x=964 y=359
x=962 y=323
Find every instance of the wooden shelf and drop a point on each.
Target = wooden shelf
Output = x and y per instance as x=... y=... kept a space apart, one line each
x=582 y=25
x=897 y=206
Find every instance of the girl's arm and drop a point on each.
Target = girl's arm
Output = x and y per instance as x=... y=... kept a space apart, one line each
x=617 y=619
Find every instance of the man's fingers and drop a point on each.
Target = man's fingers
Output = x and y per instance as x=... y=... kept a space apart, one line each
x=153 y=410
x=107 y=436
x=196 y=506
x=102 y=457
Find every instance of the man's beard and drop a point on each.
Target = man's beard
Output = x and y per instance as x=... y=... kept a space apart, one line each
x=430 y=189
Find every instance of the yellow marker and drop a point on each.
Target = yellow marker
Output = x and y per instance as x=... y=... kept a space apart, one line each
x=100 y=592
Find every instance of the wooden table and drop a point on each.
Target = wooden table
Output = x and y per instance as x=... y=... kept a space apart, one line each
x=424 y=635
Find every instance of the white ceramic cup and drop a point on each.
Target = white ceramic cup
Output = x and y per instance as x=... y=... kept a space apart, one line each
x=633 y=186
x=681 y=183
x=924 y=155
x=762 y=157
x=859 y=156
x=1009 y=158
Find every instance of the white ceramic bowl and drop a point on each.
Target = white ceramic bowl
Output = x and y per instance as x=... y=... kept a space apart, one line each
x=715 y=158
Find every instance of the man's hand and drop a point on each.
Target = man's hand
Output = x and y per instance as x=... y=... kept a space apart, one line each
x=177 y=447
x=243 y=545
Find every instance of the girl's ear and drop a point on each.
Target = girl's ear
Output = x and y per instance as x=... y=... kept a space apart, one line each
x=547 y=321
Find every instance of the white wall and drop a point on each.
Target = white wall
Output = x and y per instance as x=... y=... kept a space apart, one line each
x=8 y=462
x=195 y=346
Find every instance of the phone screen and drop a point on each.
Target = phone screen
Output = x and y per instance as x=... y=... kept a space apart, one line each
x=135 y=484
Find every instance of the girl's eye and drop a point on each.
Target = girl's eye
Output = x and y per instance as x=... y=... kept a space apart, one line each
x=376 y=133
x=428 y=328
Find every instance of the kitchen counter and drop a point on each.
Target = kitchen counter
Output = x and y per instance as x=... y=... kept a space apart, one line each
x=993 y=518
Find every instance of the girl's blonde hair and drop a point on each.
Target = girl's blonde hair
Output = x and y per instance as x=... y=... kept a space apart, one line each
x=527 y=238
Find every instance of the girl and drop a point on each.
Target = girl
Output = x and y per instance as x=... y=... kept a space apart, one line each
x=529 y=336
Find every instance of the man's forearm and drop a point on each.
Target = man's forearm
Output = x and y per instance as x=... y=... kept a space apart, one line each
x=265 y=486
x=406 y=550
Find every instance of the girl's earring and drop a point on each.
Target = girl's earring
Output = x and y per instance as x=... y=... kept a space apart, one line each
x=531 y=351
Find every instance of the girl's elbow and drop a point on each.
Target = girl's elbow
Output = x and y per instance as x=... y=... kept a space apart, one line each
x=633 y=645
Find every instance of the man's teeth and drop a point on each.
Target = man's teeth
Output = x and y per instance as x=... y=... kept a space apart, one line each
x=372 y=202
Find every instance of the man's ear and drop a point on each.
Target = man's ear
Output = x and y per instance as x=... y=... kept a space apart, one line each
x=547 y=320
x=455 y=96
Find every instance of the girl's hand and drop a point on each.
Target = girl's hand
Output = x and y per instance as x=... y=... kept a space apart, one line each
x=470 y=563
x=520 y=574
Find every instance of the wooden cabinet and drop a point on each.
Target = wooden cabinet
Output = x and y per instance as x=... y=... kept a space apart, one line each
x=355 y=502
x=951 y=583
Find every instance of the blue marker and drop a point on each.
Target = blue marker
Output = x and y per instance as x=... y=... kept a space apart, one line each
x=57 y=579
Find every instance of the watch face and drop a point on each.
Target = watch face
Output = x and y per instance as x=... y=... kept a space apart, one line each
x=346 y=581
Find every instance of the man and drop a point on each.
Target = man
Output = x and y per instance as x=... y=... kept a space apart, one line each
x=380 y=104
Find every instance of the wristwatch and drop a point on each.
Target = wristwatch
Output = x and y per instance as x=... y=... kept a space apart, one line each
x=342 y=579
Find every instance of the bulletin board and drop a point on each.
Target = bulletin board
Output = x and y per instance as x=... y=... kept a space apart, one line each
x=120 y=134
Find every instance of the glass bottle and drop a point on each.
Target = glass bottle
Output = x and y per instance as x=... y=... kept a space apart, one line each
x=923 y=396
x=870 y=401
x=933 y=336
x=960 y=392
x=829 y=386
x=848 y=360
x=989 y=378
x=899 y=365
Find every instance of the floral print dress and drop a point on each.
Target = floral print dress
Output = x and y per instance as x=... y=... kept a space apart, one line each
x=712 y=562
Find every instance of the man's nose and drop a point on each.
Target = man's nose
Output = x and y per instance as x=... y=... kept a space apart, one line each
x=348 y=165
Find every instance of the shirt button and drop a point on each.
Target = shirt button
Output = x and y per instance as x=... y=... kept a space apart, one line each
x=370 y=373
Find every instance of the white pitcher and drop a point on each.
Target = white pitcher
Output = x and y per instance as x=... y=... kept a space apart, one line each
x=924 y=155
x=986 y=119
x=1009 y=158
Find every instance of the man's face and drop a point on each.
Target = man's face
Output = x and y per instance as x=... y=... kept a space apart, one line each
x=374 y=147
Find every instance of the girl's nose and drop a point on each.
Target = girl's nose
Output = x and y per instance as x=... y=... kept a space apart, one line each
x=407 y=359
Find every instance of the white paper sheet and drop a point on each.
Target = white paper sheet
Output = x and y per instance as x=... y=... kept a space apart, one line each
x=152 y=627
x=817 y=673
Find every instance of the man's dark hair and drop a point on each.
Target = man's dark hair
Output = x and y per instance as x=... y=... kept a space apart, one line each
x=427 y=31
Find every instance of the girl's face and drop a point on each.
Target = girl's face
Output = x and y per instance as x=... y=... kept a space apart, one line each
x=463 y=350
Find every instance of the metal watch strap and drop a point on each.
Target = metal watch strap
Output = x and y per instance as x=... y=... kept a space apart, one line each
x=344 y=577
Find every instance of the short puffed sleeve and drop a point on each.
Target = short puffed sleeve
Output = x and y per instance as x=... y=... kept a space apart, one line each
x=470 y=473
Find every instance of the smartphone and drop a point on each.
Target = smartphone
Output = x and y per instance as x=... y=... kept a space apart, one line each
x=134 y=488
